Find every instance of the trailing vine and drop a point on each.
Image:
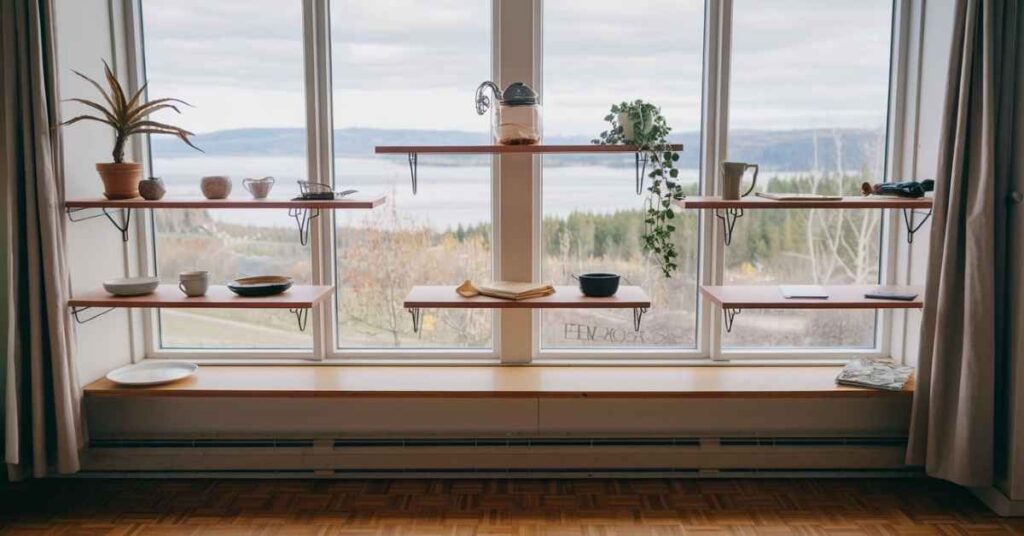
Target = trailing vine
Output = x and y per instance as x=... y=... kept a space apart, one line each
x=649 y=132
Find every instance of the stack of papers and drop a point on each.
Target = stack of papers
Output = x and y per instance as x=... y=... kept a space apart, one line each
x=509 y=290
x=875 y=373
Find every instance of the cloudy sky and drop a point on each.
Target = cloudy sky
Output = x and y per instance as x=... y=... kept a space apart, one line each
x=416 y=63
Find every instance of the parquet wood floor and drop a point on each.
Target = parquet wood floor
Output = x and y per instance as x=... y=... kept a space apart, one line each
x=495 y=507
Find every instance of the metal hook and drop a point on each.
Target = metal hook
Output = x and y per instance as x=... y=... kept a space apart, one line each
x=908 y=218
x=638 y=315
x=126 y=218
x=303 y=217
x=729 y=316
x=728 y=221
x=415 y=312
x=413 y=169
x=641 y=172
x=301 y=316
x=76 y=312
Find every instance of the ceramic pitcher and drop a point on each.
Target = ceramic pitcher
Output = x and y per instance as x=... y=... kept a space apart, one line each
x=732 y=177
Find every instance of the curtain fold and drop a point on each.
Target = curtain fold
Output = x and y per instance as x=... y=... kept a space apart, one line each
x=43 y=430
x=963 y=346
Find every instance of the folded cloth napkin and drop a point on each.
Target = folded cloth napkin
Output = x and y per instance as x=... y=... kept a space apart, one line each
x=509 y=290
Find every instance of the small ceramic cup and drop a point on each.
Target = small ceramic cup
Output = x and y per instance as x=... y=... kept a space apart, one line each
x=216 y=186
x=194 y=284
x=259 y=188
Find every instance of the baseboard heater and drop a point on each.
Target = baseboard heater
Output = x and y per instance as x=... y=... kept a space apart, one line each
x=507 y=456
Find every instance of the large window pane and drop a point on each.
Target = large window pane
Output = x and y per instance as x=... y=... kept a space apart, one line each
x=808 y=101
x=404 y=72
x=596 y=54
x=240 y=63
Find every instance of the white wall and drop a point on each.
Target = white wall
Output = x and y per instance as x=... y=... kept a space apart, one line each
x=95 y=250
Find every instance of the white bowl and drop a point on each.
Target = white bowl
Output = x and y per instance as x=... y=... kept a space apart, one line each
x=131 y=286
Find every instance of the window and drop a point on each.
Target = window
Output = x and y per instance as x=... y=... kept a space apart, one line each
x=239 y=63
x=808 y=102
x=596 y=54
x=806 y=96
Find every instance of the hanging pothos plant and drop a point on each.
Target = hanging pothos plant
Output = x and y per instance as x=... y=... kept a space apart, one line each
x=641 y=123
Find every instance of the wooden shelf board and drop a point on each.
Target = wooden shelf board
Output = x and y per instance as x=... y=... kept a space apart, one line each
x=238 y=203
x=506 y=149
x=303 y=381
x=840 y=297
x=565 y=297
x=754 y=202
x=218 y=297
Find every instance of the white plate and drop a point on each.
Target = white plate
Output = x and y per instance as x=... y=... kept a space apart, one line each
x=153 y=373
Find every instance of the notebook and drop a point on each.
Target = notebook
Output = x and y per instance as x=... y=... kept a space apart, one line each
x=803 y=291
x=875 y=373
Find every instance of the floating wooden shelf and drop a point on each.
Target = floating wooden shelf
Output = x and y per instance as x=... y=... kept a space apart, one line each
x=240 y=203
x=298 y=299
x=840 y=297
x=302 y=211
x=730 y=210
x=754 y=202
x=508 y=149
x=565 y=297
x=218 y=297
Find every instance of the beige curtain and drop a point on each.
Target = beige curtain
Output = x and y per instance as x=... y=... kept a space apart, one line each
x=963 y=347
x=43 y=431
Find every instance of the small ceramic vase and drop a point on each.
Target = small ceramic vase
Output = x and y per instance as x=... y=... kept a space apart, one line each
x=152 y=188
x=216 y=186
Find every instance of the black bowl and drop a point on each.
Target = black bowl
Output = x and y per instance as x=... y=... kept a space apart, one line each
x=598 y=285
x=261 y=285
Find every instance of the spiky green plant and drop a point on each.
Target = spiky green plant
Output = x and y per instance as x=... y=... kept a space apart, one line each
x=129 y=116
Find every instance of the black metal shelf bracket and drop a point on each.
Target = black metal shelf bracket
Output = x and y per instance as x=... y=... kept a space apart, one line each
x=641 y=172
x=908 y=218
x=303 y=217
x=728 y=219
x=416 y=314
x=126 y=219
x=413 y=169
x=76 y=313
x=729 y=315
x=638 y=316
x=301 y=317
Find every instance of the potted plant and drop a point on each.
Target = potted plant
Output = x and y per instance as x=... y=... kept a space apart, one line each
x=641 y=123
x=127 y=116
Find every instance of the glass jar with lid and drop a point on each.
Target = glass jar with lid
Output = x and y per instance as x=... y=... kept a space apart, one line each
x=517 y=117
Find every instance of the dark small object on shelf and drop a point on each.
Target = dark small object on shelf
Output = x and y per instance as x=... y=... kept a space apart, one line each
x=260 y=285
x=598 y=285
x=320 y=192
x=911 y=189
x=882 y=294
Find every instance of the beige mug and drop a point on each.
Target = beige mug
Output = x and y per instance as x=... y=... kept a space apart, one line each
x=194 y=284
x=259 y=188
x=732 y=177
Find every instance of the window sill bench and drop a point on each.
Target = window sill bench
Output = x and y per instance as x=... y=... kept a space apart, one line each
x=253 y=381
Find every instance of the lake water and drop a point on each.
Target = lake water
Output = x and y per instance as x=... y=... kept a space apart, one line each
x=447 y=196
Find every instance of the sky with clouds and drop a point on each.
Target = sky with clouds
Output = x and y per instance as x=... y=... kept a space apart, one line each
x=416 y=63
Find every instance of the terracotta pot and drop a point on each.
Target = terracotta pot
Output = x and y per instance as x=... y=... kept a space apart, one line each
x=120 y=181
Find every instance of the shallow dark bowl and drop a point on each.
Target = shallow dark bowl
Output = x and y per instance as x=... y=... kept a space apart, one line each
x=261 y=285
x=599 y=285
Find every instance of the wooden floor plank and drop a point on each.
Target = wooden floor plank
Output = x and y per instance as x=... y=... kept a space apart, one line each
x=493 y=507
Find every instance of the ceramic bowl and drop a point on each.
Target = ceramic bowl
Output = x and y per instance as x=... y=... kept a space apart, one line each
x=215 y=186
x=131 y=286
x=598 y=285
x=260 y=285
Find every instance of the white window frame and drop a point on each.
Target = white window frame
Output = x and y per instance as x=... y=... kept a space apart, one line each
x=517 y=26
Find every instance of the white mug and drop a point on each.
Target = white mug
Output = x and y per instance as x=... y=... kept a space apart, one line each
x=194 y=284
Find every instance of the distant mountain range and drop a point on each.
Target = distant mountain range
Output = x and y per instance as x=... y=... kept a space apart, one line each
x=789 y=150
